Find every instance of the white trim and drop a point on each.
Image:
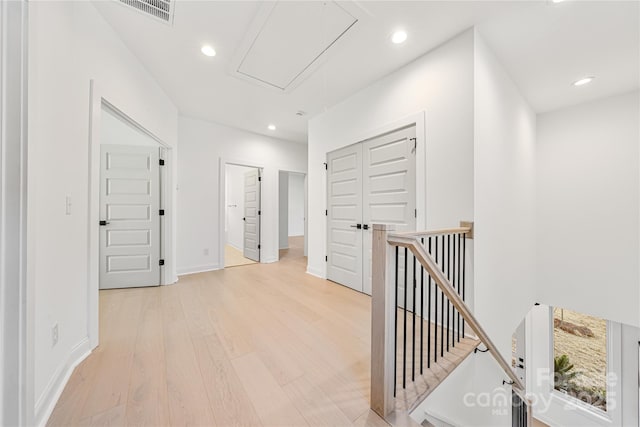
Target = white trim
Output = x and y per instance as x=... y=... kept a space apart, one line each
x=16 y=291
x=614 y=365
x=49 y=397
x=566 y=410
x=437 y=416
x=305 y=236
x=96 y=103
x=233 y=246
x=113 y=109
x=93 y=214
x=198 y=269
x=222 y=214
x=316 y=273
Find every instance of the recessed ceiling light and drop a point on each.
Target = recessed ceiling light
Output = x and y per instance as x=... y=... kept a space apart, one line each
x=557 y=1
x=208 y=50
x=271 y=127
x=583 y=81
x=399 y=37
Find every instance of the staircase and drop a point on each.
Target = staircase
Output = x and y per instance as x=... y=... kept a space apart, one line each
x=422 y=329
x=435 y=368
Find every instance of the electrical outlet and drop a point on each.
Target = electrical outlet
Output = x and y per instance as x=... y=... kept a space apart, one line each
x=54 y=335
x=206 y=251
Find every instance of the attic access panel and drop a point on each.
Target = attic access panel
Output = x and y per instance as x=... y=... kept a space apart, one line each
x=286 y=40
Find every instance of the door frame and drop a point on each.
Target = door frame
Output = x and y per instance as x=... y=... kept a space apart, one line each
x=306 y=213
x=419 y=121
x=167 y=230
x=16 y=289
x=222 y=212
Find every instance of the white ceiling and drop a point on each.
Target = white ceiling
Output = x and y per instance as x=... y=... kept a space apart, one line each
x=544 y=47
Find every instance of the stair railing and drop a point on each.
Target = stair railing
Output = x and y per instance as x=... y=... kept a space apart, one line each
x=430 y=258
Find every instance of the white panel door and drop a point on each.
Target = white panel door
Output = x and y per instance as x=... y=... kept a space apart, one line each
x=389 y=194
x=129 y=215
x=344 y=213
x=252 y=215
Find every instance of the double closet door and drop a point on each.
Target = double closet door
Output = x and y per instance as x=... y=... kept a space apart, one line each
x=371 y=182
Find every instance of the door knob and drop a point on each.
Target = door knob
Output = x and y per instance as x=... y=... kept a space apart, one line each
x=365 y=226
x=103 y=222
x=358 y=226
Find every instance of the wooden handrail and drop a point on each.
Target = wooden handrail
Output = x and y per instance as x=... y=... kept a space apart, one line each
x=465 y=228
x=412 y=243
x=440 y=232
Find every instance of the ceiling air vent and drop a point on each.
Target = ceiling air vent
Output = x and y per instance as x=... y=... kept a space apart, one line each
x=159 y=9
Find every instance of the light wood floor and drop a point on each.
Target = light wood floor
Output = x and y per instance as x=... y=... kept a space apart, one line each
x=258 y=345
x=263 y=344
x=295 y=252
x=233 y=257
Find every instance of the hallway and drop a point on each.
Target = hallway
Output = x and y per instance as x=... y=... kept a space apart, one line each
x=263 y=344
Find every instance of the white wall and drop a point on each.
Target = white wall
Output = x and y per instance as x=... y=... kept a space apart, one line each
x=115 y=130
x=440 y=83
x=296 y=204
x=69 y=44
x=504 y=234
x=202 y=145
x=283 y=210
x=588 y=208
x=234 y=205
x=504 y=191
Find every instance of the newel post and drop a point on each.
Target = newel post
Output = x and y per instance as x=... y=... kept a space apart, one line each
x=382 y=322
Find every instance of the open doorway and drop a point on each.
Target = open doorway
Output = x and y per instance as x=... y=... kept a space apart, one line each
x=242 y=215
x=131 y=204
x=292 y=230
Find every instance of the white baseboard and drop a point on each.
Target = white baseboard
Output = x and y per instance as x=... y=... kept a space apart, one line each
x=314 y=272
x=438 y=420
x=197 y=269
x=543 y=418
x=49 y=397
x=238 y=248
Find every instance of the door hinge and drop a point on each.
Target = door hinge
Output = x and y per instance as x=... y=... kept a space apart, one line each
x=259 y=212
x=415 y=213
x=161 y=212
x=161 y=162
x=326 y=258
x=161 y=262
x=326 y=166
x=326 y=212
x=258 y=246
x=259 y=178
